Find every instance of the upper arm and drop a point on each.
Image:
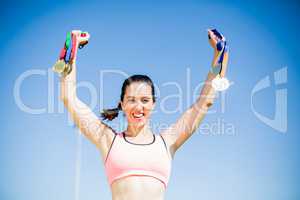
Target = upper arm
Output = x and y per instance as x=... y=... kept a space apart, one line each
x=89 y=124
x=178 y=133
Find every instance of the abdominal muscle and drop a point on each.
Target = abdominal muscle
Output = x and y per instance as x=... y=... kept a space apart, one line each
x=137 y=188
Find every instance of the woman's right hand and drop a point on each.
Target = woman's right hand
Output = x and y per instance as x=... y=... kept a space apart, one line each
x=82 y=39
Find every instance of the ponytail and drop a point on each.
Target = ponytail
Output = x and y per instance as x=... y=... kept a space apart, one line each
x=110 y=114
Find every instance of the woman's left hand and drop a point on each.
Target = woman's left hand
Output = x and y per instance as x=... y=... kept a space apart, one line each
x=219 y=44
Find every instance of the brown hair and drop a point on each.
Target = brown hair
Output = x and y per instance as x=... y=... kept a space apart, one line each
x=110 y=114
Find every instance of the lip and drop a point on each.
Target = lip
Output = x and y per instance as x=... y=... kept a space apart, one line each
x=138 y=116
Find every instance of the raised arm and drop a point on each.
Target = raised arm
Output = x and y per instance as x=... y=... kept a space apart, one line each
x=83 y=117
x=190 y=120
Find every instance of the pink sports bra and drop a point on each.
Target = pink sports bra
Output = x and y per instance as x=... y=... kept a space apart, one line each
x=125 y=158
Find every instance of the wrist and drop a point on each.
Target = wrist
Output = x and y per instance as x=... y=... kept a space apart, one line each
x=215 y=69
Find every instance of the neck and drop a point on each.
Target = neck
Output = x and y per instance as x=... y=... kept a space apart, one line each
x=133 y=130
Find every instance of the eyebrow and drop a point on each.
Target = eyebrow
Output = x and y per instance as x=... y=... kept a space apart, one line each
x=148 y=97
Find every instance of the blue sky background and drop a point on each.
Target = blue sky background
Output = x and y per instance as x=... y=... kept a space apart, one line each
x=165 y=40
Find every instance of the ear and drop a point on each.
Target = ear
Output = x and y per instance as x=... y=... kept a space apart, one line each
x=153 y=106
x=122 y=106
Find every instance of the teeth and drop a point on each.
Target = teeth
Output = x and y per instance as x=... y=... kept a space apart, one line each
x=138 y=115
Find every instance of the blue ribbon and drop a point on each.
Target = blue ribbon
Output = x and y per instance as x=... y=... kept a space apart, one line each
x=69 y=50
x=221 y=46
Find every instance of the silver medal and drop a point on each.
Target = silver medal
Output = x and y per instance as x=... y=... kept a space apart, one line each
x=220 y=84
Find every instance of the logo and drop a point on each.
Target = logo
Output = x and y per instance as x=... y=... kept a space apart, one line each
x=279 y=121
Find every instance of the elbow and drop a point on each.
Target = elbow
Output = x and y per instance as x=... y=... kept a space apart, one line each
x=64 y=99
x=204 y=105
x=209 y=100
x=208 y=103
x=67 y=100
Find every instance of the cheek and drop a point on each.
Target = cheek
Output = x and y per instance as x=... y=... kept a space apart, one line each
x=149 y=108
x=127 y=109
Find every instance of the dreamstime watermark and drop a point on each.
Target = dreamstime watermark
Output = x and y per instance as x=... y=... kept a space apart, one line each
x=280 y=121
x=181 y=97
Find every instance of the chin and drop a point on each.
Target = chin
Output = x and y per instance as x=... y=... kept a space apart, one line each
x=139 y=123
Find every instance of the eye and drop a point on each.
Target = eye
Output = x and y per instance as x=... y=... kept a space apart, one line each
x=145 y=100
x=130 y=100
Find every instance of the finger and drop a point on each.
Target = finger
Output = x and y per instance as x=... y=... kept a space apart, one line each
x=75 y=49
x=215 y=58
x=209 y=32
x=212 y=39
x=224 y=64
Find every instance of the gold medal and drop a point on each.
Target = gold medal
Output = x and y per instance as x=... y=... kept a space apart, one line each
x=59 y=66
x=68 y=69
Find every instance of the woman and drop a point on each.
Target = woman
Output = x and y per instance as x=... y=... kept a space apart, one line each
x=138 y=162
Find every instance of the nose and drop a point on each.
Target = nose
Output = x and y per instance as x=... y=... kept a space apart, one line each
x=139 y=106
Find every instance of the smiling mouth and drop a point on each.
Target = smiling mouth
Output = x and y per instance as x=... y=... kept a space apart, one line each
x=138 y=116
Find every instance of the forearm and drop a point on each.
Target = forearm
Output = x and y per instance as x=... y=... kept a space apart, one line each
x=199 y=109
x=68 y=85
x=78 y=110
x=192 y=117
x=203 y=103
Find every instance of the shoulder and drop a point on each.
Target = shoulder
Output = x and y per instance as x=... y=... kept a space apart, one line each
x=168 y=140
x=107 y=137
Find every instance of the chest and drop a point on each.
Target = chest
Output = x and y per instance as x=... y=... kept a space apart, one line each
x=124 y=154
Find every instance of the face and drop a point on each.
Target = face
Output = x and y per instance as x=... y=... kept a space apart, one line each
x=138 y=103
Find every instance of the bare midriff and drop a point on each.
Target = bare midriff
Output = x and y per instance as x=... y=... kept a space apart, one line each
x=137 y=188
